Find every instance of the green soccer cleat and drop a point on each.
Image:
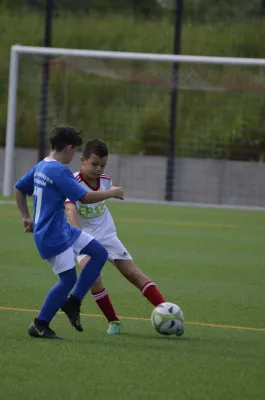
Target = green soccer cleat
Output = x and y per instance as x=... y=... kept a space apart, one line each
x=180 y=332
x=114 y=328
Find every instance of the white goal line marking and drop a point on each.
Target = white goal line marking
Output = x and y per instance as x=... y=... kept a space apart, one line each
x=174 y=203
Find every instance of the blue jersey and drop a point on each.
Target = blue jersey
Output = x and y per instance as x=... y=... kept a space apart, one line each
x=51 y=183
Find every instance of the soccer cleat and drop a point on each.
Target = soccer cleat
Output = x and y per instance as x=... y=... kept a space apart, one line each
x=180 y=332
x=41 y=329
x=72 y=309
x=114 y=328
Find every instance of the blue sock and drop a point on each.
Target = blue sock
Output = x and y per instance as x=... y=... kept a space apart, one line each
x=92 y=269
x=58 y=295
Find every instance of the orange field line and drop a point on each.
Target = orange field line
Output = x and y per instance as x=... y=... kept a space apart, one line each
x=243 y=328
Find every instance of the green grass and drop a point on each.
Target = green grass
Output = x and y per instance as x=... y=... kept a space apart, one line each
x=210 y=262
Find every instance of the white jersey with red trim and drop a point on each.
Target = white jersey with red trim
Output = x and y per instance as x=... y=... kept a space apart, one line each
x=95 y=219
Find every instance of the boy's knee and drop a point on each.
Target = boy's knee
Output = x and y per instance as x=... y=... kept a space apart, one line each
x=96 y=251
x=102 y=255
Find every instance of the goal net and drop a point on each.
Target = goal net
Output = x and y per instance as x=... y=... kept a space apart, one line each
x=126 y=100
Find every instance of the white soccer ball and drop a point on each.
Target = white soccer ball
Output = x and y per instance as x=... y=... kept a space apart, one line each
x=167 y=318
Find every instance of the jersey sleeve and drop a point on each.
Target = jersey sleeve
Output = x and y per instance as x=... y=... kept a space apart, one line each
x=107 y=181
x=69 y=187
x=109 y=184
x=68 y=201
x=26 y=183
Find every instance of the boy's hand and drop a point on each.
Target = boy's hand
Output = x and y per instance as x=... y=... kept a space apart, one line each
x=117 y=192
x=28 y=225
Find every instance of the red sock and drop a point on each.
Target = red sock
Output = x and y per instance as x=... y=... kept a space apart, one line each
x=103 y=301
x=152 y=294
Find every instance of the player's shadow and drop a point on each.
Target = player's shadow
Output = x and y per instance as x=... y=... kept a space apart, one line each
x=116 y=340
x=133 y=341
x=160 y=337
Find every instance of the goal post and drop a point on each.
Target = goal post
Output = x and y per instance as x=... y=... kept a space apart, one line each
x=11 y=122
x=191 y=80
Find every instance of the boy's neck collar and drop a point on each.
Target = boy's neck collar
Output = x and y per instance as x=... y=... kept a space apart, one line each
x=55 y=156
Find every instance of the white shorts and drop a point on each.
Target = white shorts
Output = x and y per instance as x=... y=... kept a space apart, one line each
x=66 y=260
x=115 y=248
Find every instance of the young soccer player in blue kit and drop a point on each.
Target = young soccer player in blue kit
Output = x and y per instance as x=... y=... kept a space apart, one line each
x=51 y=182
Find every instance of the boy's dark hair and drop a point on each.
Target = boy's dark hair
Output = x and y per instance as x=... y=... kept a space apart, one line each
x=64 y=135
x=95 y=146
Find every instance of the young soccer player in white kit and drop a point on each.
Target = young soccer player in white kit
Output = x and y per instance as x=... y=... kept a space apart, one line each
x=96 y=220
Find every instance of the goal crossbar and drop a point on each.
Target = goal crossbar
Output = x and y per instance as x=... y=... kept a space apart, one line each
x=16 y=50
x=118 y=55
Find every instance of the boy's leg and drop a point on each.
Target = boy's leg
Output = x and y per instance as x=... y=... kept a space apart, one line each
x=85 y=244
x=125 y=264
x=57 y=296
x=134 y=275
x=101 y=297
x=64 y=266
x=92 y=268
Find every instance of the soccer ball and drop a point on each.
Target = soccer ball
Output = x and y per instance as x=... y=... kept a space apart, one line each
x=167 y=318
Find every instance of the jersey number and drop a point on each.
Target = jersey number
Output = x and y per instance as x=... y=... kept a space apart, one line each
x=38 y=193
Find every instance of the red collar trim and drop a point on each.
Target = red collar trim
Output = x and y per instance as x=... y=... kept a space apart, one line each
x=90 y=187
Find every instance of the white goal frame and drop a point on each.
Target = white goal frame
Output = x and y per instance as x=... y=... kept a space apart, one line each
x=16 y=50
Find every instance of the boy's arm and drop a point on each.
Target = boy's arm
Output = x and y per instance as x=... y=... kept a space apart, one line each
x=21 y=200
x=72 y=215
x=95 y=197
x=23 y=188
x=71 y=189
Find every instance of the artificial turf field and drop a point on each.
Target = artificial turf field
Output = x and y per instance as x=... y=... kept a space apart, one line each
x=210 y=262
